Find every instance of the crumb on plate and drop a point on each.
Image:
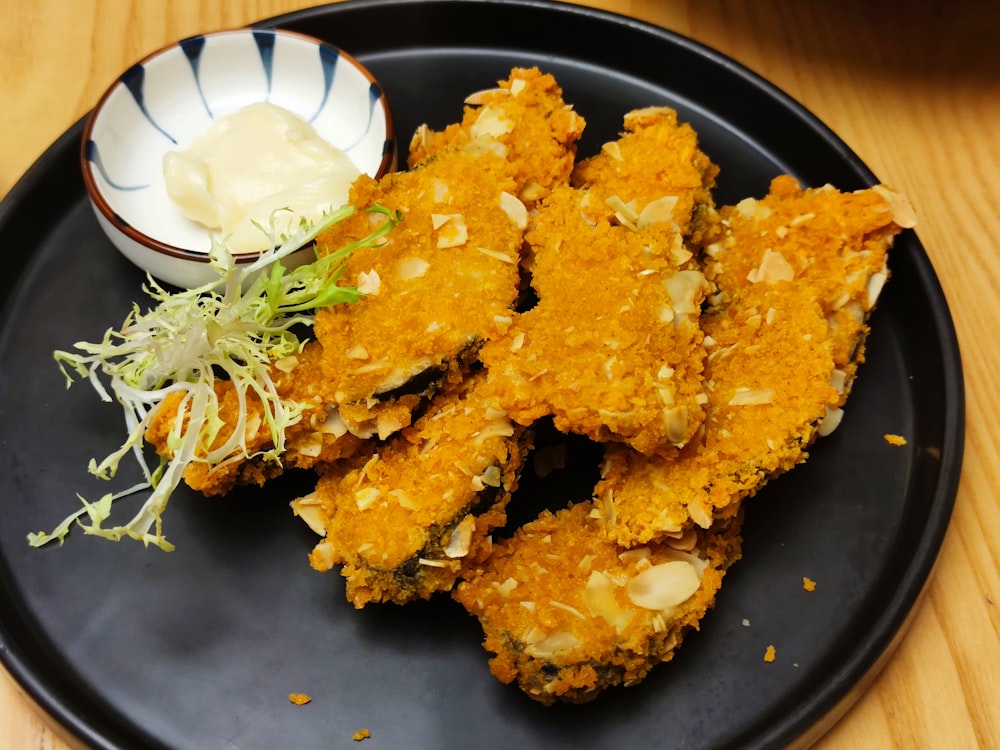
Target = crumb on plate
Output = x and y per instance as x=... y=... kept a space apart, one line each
x=808 y=584
x=299 y=699
x=894 y=439
x=769 y=654
x=361 y=734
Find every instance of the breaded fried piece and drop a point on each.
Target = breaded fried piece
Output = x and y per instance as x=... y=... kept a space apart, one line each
x=318 y=435
x=446 y=278
x=835 y=243
x=768 y=375
x=405 y=520
x=443 y=281
x=613 y=349
x=568 y=614
x=655 y=175
x=525 y=121
x=798 y=273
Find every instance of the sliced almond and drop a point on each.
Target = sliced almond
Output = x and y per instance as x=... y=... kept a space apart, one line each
x=309 y=509
x=665 y=585
x=687 y=289
x=515 y=209
x=899 y=206
x=599 y=598
x=492 y=121
x=411 y=267
x=772 y=269
x=369 y=282
x=451 y=229
x=460 y=540
x=552 y=645
x=654 y=212
x=364 y=497
x=751 y=397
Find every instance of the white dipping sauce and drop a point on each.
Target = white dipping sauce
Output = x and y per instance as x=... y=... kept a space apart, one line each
x=251 y=164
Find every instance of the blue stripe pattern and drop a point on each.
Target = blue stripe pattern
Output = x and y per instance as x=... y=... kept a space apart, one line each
x=192 y=48
x=94 y=157
x=265 y=46
x=328 y=57
x=374 y=95
x=134 y=79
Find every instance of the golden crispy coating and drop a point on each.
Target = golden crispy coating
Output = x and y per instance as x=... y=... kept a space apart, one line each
x=443 y=281
x=707 y=349
x=406 y=518
x=525 y=121
x=798 y=273
x=613 y=349
x=835 y=243
x=655 y=175
x=567 y=613
x=768 y=376
x=446 y=276
x=316 y=437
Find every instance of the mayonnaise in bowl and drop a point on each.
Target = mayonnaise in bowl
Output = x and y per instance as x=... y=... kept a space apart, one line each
x=259 y=170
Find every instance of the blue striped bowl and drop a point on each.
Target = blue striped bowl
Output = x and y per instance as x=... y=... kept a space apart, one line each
x=165 y=101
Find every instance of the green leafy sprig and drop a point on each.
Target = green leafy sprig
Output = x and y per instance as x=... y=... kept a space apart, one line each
x=235 y=328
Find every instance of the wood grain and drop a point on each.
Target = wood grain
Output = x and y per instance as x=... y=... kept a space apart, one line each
x=914 y=89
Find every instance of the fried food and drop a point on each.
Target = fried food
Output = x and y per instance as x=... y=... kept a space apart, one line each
x=525 y=121
x=613 y=349
x=444 y=280
x=568 y=614
x=768 y=374
x=835 y=243
x=406 y=518
x=446 y=277
x=705 y=349
x=655 y=176
x=798 y=273
x=317 y=436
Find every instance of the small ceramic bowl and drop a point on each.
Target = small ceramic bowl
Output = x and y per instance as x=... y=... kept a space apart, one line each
x=169 y=99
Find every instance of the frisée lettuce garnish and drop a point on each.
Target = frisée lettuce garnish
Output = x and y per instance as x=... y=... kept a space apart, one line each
x=236 y=329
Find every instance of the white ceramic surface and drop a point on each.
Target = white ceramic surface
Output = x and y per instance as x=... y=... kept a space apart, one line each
x=166 y=101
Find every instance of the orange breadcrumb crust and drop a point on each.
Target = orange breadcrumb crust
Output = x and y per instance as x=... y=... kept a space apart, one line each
x=656 y=157
x=892 y=439
x=405 y=519
x=797 y=273
x=307 y=442
x=596 y=352
x=555 y=605
x=446 y=276
x=613 y=349
x=707 y=348
x=769 y=372
x=836 y=243
x=525 y=121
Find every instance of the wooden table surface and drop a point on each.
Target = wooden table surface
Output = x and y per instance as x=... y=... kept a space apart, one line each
x=913 y=88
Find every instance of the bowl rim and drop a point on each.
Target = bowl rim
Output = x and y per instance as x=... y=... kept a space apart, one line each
x=181 y=253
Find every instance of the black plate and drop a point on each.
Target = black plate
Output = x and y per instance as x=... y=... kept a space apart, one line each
x=128 y=647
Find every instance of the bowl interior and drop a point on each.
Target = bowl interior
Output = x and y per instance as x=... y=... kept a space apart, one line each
x=169 y=99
